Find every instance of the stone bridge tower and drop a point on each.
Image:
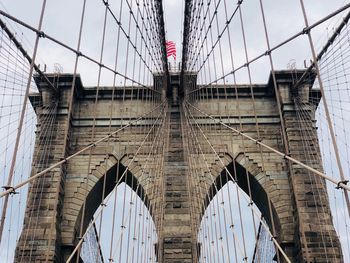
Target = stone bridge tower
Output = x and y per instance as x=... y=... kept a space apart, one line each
x=288 y=186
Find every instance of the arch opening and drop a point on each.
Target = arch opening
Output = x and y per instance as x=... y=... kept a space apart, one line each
x=258 y=193
x=125 y=227
x=229 y=229
x=127 y=221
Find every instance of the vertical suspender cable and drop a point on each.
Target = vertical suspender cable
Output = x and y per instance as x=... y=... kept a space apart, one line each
x=326 y=109
x=20 y=125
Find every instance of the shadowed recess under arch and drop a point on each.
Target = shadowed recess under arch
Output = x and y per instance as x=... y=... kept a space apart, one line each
x=258 y=193
x=117 y=173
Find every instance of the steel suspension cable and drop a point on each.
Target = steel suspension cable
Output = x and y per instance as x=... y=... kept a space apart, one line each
x=329 y=120
x=329 y=178
x=73 y=50
x=20 y=125
x=124 y=174
x=274 y=48
x=224 y=167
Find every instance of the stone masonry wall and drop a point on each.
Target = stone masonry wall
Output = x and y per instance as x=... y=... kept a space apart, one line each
x=296 y=196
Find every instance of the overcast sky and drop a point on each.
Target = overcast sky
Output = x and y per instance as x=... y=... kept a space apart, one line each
x=284 y=18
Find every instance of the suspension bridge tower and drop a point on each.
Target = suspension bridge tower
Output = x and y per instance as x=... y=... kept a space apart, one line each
x=201 y=164
x=285 y=199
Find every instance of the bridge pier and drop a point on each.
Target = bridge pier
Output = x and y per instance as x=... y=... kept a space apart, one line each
x=296 y=198
x=315 y=239
x=178 y=245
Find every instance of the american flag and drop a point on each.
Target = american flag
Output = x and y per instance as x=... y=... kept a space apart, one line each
x=170 y=49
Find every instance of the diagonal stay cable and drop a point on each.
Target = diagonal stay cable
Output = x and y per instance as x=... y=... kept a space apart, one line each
x=304 y=31
x=218 y=39
x=325 y=48
x=30 y=179
x=195 y=142
x=25 y=54
x=126 y=34
x=21 y=120
x=42 y=34
x=147 y=34
x=117 y=183
x=340 y=184
x=240 y=190
x=325 y=106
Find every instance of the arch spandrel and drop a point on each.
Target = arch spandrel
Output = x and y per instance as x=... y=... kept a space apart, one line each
x=105 y=170
x=263 y=184
x=268 y=175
